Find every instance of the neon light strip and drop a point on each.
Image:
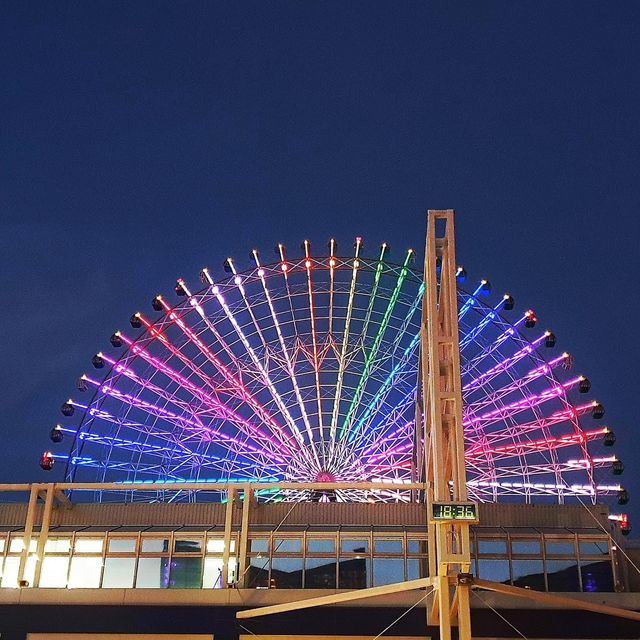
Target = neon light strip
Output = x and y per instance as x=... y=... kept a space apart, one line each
x=471 y=300
x=487 y=350
x=506 y=364
x=283 y=346
x=490 y=314
x=332 y=264
x=316 y=366
x=345 y=344
x=386 y=385
x=507 y=411
x=374 y=347
x=574 y=489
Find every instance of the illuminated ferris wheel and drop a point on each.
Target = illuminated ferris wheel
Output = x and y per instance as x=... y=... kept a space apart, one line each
x=305 y=370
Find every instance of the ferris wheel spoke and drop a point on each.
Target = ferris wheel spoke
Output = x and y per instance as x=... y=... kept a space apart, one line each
x=222 y=410
x=369 y=357
x=184 y=423
x=489 y=398
x=509 y=411
x=505 y=364
x=283 y=347
x=487 y=315
x=342 y=359
x=510 y=332
x=314 y=339
x=227 y=374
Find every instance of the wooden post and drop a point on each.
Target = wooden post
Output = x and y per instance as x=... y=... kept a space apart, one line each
x=44 y=532
x=28 y=531
x=228 y=524
x=247 y=494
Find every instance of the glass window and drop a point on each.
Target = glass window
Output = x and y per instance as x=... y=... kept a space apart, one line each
x=387 y=546
x=413 y=569
x=153 y=573
x=10 y=572
x=155 y=545
x=562 y=575
x=258 y=574
x=54 y=572
x=88 y=545
x=186 y=573
x=597 y=576
x=286 y=573
x=216 y=545
x=490 y=547
x=320 y=573
x=118 y=572
x=354 y=573
x=496 y=570
x=594 y=547
x=85 y=573
x=525 y=547
x=190 y=545
x=287 y=545
x=354 y=546
x=212 y=574
x=321 y=545
x=560 y=547
x=416 y=546
x=57 y=545
x=122 y=545
x=259 y=545
x=528 y=573
x=17 y=545
x=2 y=542
x=387 y=571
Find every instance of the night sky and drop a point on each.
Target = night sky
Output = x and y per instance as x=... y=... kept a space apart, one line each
x=141 y=141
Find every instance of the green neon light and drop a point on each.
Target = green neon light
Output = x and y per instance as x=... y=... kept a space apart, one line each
x=376 y=343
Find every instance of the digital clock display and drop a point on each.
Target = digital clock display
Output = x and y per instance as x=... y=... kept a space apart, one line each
x=454 y=511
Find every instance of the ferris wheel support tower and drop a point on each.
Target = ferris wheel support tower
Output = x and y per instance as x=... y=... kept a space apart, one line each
x=439 y=426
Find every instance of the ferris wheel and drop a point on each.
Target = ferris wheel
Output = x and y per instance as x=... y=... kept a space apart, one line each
x=305 y=370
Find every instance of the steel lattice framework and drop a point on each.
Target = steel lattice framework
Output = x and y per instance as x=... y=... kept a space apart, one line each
x=306 y=370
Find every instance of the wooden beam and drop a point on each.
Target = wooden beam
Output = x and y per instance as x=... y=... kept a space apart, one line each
x=336 y=598
x=563 y=602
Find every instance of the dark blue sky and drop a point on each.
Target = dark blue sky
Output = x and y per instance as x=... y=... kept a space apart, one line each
x=141 y=141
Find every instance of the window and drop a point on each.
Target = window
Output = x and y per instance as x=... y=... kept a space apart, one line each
x=560 y=547
x=348 y=545
x=17 y=545
x=321 y=545
x=185 y=573
x=354 y=573
x=88 y=545
x=187 y=545
x=287 y=545
x=495 y=570
x=562 y=575
x=212 y=574
x=387 y=571
x=320 y=573
x=216 y=545
x=118 y=572
x=492 y=547
x=85 y=572
x=54 y=572
x=528 y=573
x=594 y=547
x=259 y=545
x=155 y=545
x=525 y=547
x=596 y=576
x=153 y=573
x=393 y=545
x=286 y=573
x=122 y=545
x=57 y=545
